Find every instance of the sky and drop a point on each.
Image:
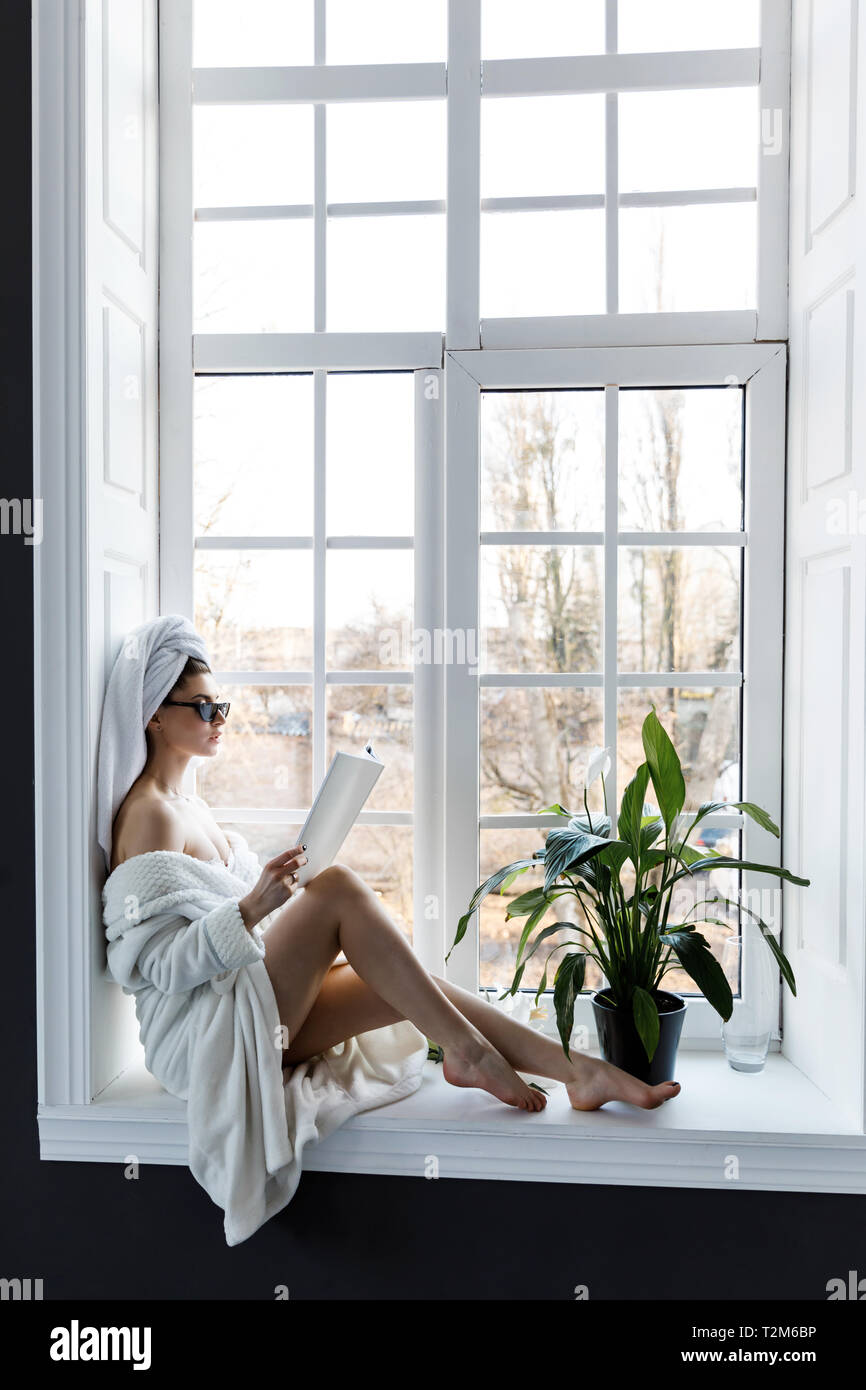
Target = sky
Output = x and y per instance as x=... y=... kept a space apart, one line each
x=389 y=273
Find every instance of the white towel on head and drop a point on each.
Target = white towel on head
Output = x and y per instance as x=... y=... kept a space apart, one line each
x=147 y=667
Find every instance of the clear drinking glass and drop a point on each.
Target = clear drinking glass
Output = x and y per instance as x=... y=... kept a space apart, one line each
x=753 y=974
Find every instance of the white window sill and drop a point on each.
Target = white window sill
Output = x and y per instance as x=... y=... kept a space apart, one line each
x=775 y=1127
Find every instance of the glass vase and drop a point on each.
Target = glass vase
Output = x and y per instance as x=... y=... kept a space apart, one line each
x=752 y=973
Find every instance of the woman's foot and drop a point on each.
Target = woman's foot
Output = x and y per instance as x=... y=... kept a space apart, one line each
x=482 y=1066
x=597 y=1081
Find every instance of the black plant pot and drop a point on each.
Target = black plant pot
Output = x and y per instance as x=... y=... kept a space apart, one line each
x=620 y=1042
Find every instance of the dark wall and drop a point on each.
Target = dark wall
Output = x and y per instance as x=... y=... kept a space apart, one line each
x=89 y=1233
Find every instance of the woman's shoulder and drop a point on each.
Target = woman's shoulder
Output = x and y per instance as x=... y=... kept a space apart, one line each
x=145 y=822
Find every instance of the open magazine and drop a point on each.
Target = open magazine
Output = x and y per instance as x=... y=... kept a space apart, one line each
x=346 y=785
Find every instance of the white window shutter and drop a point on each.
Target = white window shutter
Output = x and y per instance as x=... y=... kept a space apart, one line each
x=96 y=465
x=825 y=694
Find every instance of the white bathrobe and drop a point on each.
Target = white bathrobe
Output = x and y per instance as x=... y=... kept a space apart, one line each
x=210 y=1029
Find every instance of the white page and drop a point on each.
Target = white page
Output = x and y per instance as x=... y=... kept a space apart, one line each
x=344 y=790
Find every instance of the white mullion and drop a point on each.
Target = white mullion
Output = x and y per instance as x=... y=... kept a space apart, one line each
x=463 y=219
x=662 y=680
x=206 y=542
x=319 y=81
x=296 y=815
x=611 y=602
x=773 y=170
x=319 y=578
x=320 y=395
x=621 y=72
x=667 y=538
x=305 y=352
x=611 y=169
x=176 y=374
x=710 y=364
x=564 y=331
x=763 y=565
x=519 y=820
x=461 y=775
x=428 y=683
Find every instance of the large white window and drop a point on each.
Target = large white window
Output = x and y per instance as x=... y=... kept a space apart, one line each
x=610 y=527
x=435 y=358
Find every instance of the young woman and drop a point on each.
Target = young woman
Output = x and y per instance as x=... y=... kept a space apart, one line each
x=322 y=1003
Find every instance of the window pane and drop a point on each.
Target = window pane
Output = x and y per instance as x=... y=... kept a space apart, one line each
x=704 y=727
x=253 y=441
x=542 y=263
x=383 y=856
x=380 y=150
x=688 y=139
x=680 y=459
x=386 y=31
x=498 y=939
x=253 y=277
x=264 y=839
x=266 y=758
x=653 y=26
x=382 y=714
x=542 y=460
x=683 y=258
x=542 y=145
x=535 y=742
x=260 y=34
x=250 y=155
x=547 y=28
x=369 y=608
x=386 y=274
x=541 y=607
x=254 y=608
x=679 y=608
x=371 y=445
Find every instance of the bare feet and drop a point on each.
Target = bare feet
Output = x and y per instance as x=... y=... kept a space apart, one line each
x=482 y=1066
x=598 y=1081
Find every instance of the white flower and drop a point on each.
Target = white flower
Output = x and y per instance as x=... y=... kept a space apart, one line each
x=597 y=765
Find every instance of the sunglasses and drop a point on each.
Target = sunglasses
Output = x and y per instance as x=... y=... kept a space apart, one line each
x=207 y=708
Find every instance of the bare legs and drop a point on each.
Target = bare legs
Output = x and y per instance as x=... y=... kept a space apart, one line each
x=338 y=911
x=322 y=1004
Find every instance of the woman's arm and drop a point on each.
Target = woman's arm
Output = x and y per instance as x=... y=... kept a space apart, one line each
x=179 y=954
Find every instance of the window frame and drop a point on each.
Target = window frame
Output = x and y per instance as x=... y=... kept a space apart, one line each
x=761 y=368
x=131 y=1114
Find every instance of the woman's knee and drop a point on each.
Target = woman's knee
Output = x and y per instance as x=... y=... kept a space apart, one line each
x=337 y=878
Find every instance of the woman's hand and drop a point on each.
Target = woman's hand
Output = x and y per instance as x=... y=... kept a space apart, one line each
x=278 y=882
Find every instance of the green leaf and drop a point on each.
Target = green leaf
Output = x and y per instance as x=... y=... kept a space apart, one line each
x=646 y=1020
x=757 y=813
x=665 y=769
x=781 y=959
x=566 y=849
x=554 y=810
x=698 y=961
x=512 y=876
x=567 y=984
x=721 y=861
x=535 y=1086
x=481 y=892
x=651 y=828
x=527 y=902
x=631 y=811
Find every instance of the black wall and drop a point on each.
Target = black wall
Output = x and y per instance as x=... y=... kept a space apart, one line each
x=91 y=1234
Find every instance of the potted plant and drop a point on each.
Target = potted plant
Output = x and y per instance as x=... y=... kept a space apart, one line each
x=631 y=937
